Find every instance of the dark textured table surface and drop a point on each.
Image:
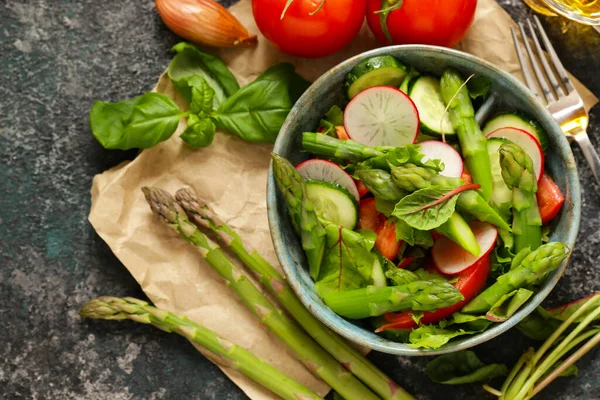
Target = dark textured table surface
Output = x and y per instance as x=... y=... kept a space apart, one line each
x=56 y=57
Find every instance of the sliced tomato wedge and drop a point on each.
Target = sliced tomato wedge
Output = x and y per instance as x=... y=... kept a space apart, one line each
x=362 y=189
x=469 y=283
x=370 y=218
x=341 y=132
x=549 y=197
x=466 y=177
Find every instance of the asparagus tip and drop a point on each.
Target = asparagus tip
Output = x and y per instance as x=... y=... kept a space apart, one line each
x=161 y=203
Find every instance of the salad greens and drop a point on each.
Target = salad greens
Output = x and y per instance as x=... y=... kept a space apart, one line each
x=462 y=367
x=424 y=214
x=254 y=112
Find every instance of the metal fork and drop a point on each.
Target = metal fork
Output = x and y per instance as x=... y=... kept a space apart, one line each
x=559 y=95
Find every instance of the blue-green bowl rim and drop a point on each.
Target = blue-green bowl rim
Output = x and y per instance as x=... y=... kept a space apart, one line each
x=369 y=339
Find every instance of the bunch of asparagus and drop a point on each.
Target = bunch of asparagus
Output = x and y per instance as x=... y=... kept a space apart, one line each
x=327 y=355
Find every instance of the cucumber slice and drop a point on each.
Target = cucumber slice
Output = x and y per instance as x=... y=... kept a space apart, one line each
x=501 y=198
x=382 y=116
x=519 y=121
x=425 y=93
x=377 y=275
x=323 y=170
x=374 y=71
x=333 y=203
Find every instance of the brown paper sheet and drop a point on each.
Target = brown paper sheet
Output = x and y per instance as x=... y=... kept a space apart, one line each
x=231 y=175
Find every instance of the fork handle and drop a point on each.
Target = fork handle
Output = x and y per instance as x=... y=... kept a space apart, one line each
x=590 y=154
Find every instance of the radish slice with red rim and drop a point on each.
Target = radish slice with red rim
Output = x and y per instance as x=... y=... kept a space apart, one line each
x=382 y=116
x=527 y=142
x=436 y=150
x=323 y=170
x=450 y=258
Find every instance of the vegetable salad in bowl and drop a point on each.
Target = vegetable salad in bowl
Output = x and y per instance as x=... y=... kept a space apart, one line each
x=416 y=222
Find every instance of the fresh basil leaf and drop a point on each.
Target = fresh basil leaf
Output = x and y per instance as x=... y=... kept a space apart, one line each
x=478 y=86
x=412 y=236
x=427 y=208
x=335 y=116
x=138 y=123
x=462 y=367
x=256 y=112
x=199 y=133
x=202 y=96
x=348 y=261
x=538 y=325
x=190 y=61
x=508 y=305
x=432 y=337
x=411 y=154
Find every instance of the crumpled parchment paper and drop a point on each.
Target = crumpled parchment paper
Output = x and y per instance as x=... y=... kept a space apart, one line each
x=231 y=175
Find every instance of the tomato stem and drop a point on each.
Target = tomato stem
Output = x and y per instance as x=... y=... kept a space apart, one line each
x=318 y=8
x=387 y=6
x=287 y=5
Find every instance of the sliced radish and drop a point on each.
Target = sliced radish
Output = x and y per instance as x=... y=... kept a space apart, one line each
x=436 y=150
x=451 y=259
x=327 y=171
x=527 y=142
x=382 y=116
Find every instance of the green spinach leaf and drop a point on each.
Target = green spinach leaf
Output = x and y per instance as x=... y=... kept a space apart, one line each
x=462 y=367
x=412 y=236
x=538 y=325
x=256 y=112
x=138 y=123
x=189 y=62
x=432 y=337
x=200 y=132
x=335 y=116
x=348 y=260
x=427 y=208
x=478 y=86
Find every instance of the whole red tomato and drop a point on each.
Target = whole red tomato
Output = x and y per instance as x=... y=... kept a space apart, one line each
x=301 y=34
x=436 y=22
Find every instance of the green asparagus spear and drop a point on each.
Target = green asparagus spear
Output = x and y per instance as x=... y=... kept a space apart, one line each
x=312 y=233
x=379 y=182
x=518 y=174
x=201 y=213
x=112 y=308
x=544 y=259
x=472 y=141
x=308 y=351
x=372 y=301
x=457 y=230
x=410 y=176
x=323 y=145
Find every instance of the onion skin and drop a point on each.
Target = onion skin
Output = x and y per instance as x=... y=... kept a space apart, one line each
x=204 y=22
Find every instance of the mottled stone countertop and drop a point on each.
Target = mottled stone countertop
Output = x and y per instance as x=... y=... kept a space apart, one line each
x=56 y=57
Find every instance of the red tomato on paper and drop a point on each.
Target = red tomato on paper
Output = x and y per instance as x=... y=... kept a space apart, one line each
x=329 y=29
x=436 y=22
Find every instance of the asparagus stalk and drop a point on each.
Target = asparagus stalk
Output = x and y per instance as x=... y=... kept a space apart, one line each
x=410 y=176
x=201 y=213
x=544 y=259
x=518 y=174
x=379 y=182
x=326 y=146
x=372 y=301
x=457 y=230
x=308 y=351
x=472 y=141
x=312 y=232
x=113 y=308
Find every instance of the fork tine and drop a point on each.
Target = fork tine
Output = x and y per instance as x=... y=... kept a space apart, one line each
x=549 y=73
x=555 y=60
x=527 y=73
x=548 y=94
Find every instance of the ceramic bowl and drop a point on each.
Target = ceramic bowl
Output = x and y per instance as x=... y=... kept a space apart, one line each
x=327 y=91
